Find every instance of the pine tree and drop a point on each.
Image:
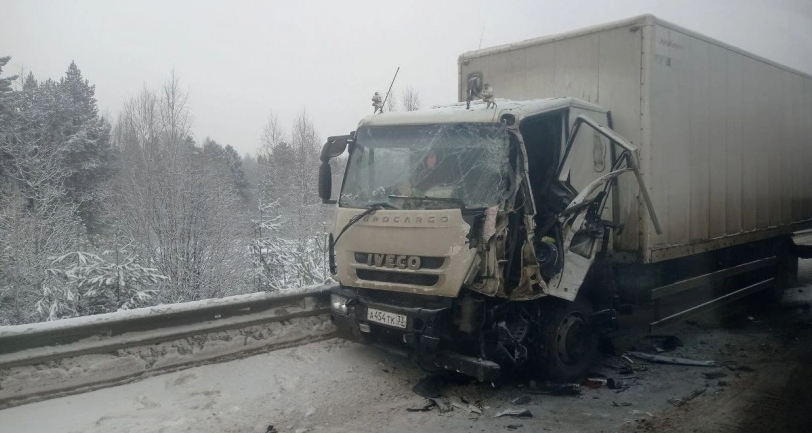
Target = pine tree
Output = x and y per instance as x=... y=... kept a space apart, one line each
x=89 y=153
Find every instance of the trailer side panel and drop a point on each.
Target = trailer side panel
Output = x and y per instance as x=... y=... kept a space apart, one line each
x=728 y=152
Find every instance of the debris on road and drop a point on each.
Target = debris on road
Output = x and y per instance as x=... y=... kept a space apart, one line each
x=271 y=429
x=621 y=404
x=521 y=400
x=429 y=386
x=672 y=360
x=680 y=401
x=665 y=343
x=714 y=374
x=517 y=413
x=625 y=369
x=594 y=382
x=430 y=404
x=443 y=405
x=556 y=389
x=514 y=426
x=460 y=403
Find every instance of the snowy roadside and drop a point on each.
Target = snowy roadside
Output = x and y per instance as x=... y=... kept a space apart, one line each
x=336 y=386
x=138 y=355
x=149 y=312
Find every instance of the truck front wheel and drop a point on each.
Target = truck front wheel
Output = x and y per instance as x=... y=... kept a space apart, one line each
x=567 y=343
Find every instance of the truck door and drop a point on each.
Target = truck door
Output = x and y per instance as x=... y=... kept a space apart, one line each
x=594 y=156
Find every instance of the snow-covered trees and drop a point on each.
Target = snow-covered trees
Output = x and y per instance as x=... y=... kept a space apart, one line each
x=38 y=218
x=88 y=154
x=80 y=284
x=292 y=225
x=95 y=218
x=176 y=201
x=410 y=99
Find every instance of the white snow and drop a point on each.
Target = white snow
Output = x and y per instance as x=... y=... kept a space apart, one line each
x=72 y=374
x=6 y=331
x=307 y=388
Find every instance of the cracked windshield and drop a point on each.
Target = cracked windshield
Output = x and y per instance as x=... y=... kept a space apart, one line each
x=428 y=167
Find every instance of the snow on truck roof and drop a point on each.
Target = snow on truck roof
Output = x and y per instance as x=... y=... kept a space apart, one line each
x=478 y=113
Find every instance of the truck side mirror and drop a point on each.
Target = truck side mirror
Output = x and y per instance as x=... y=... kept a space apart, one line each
x=334 y=147
x=326 y=182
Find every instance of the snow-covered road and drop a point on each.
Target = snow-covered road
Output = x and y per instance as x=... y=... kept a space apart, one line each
x=308 y=387
x=336 y=386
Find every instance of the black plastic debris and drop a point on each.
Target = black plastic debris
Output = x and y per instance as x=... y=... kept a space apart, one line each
x=516 y=413
x=621 y=404
x=666 y=343
x=271 y=429
x=429 y=386
x=615 y=384
x=514 y=426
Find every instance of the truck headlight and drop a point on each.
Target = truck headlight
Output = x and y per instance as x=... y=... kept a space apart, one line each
x=339 y=303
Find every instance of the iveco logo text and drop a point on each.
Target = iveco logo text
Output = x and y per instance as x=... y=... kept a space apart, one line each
x=393 y=261
x=406 y=219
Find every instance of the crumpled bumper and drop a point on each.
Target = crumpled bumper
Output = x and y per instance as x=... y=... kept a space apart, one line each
x=420 y=340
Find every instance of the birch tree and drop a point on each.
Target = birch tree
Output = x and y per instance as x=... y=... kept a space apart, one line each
x=173 y=202
x=410 y=99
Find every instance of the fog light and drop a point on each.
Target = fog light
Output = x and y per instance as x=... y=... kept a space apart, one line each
x=338 y=303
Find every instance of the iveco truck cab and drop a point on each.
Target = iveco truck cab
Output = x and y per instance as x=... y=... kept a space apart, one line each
x=465 y=235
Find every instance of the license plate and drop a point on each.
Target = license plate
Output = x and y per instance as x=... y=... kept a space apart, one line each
x=386 y=318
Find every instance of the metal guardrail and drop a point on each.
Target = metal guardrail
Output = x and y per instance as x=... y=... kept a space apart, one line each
x=40 y=342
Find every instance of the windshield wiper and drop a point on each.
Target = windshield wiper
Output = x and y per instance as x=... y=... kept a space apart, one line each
x=456 y=201
x=371 y=209
x=382 y=205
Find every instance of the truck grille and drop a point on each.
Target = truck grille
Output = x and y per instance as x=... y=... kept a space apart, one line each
x=425 y=262
x=397 y=277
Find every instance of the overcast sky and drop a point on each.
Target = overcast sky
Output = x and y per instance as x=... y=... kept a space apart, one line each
x=242 y=60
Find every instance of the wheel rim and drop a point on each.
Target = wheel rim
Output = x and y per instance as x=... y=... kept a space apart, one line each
x=573 y=339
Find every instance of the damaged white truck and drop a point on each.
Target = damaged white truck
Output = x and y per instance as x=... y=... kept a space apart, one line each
x=627 y=163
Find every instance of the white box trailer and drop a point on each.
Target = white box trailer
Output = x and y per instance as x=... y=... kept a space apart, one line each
x=724 y=136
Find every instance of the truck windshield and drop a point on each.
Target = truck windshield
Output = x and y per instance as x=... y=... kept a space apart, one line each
x=428 y=166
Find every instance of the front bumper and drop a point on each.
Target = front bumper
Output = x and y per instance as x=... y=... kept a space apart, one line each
x=425 y=338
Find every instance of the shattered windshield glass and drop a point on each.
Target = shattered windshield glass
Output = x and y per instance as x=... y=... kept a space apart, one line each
x=428 y=166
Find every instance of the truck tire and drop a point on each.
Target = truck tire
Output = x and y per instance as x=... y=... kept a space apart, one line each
x=567 y=343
